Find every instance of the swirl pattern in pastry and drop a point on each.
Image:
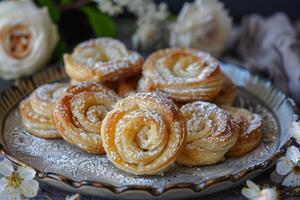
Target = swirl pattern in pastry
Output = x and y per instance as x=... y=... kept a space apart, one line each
x=227 y=94
x=184 y=74
x=144 y=133
x=101 y=60
x=79 y=113
x=250 y=133
x=36 y=110
x=211 y=132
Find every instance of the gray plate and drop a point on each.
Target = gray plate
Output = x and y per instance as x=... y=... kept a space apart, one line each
x=65 y=166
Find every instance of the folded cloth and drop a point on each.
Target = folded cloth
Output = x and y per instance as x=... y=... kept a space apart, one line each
x=270 y=46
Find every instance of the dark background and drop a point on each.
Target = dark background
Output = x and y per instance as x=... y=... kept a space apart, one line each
x=240 y=8
x=237 y=9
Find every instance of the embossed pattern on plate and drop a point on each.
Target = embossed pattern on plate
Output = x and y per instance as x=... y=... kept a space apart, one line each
x=62 y=159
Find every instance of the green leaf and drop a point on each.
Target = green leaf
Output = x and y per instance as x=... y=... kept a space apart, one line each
x=52 y=9
x=65 y=2
x=101 y=24
x=59 y=50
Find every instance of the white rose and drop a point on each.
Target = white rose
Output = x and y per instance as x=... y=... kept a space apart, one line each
x=204 y=25
x=27 y=38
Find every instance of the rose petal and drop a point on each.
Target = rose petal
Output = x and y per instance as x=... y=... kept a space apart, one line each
x=293 y=154
x=284 y=166
x=291 y=180
x=6 y=167
x=29 y=188
x=26 y=173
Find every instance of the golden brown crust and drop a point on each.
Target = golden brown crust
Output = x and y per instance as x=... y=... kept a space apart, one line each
x=102 y=60
x=144 y=133
x=250 y=133
x=79 y=113
x=227 y=94
x=44 y=98
x=211 y=132
x=36 y=110
x=184 y=74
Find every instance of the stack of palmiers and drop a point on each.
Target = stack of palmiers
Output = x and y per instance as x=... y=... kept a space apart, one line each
x=174 y=107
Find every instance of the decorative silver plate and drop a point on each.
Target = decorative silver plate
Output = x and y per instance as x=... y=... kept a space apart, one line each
x=65 y=166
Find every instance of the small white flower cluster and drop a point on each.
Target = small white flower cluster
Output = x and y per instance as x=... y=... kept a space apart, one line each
x=149 y=18
x=110 y=7
x=144 y=10
x=254 y=192
x=288 y=168
x=15 y=184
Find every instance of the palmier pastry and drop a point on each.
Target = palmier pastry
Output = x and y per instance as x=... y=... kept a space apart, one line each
x=79 y=113
x=211 y=132
x=184 y=74
x=36 y=110
x=250 y=133
x=102 y=60
x=227 y=94
x=144 y=133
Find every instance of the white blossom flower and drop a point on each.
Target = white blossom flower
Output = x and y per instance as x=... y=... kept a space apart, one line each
x=110 y=7
x=27 y=38
x=14 y=184
x=149 y=35
x=295 y=131
x=289 y=167
x=204 y=25
x=254 y=192
x=149 y=19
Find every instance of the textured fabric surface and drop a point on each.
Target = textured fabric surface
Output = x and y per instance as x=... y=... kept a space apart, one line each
x=270 y=47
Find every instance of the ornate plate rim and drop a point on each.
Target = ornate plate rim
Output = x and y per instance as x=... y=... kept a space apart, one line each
x=196 y=187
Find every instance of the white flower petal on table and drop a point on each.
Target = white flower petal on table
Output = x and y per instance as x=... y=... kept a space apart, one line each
x=295 y=131
x=291 y=180
x=293 y=154
x=284 y=166
x=250 y=193
x=252 y=185
x=6 y=167
x=3 y=184
x=29 y=188
x=10 y=194
x=268 y=194
x=26 y=173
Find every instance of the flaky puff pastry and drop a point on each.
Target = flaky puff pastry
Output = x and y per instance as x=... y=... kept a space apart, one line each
x=102 y=60
x=79 y=113
x=184 y=74
x=144 y=133
x=36 y=110
x=250 y=133
x=227 y=94
x=211 y=132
